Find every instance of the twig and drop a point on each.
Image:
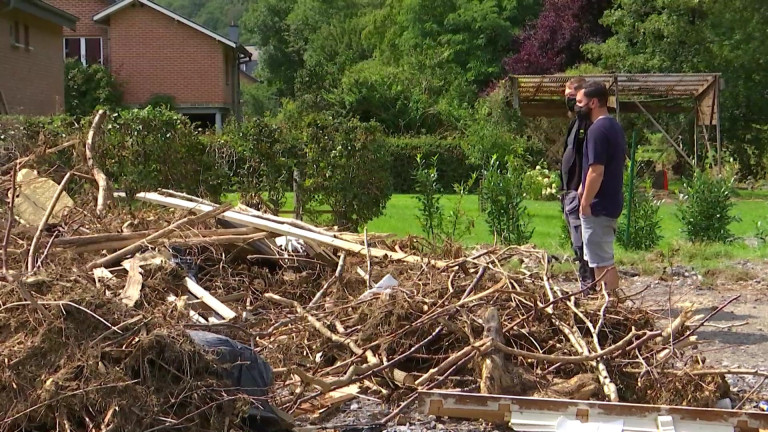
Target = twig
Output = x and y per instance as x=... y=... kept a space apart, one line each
x=708 y=317
x=26 y=159
x=64 y=396
x=751 y=392
x=323 y=329
x=113 y=328
x=135 y=247
x=31 y=262
x=175 y=422
x=367 y=257
x=335 y=278
x=9 y=224
x=415 y=395
x=726 y=326
x=474 y=283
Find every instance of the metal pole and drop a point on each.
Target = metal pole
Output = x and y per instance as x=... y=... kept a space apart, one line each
x=719 y=147
x=616 y=83
x=631 y=185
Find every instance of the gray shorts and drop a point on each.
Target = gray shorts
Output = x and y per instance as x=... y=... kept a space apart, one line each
x=598 y=234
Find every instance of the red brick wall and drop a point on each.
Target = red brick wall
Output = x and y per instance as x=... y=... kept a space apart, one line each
x=32 y=80
x=152 y=53
x=85 y=10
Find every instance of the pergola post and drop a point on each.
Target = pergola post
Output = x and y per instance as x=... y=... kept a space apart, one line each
x=661 y=129
x=719 y=145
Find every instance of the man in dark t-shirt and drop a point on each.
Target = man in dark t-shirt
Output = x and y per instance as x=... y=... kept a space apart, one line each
x=570 y=179
x=601 y=190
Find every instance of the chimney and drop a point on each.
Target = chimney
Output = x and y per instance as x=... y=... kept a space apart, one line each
x=234 y=33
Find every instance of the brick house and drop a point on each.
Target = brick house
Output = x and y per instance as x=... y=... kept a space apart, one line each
x=31 y=67
x=154 y=51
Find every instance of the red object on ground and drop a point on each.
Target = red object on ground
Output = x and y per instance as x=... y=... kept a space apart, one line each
x=666 y=181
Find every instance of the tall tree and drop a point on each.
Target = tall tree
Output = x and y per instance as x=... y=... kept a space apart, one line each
x=552 y=43
x=700 y=36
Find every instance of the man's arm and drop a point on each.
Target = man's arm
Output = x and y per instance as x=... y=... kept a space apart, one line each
x=594 y=180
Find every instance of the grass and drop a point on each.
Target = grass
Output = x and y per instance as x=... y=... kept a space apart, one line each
x=400 y=217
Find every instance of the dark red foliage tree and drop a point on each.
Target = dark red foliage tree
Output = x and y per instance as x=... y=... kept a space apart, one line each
x=553 y=42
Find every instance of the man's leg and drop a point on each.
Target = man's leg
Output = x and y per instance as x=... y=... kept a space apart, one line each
x=572 y=219
x=599 y=234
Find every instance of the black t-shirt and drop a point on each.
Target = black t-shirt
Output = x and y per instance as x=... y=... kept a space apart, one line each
x=606 y=145
x=570 y=171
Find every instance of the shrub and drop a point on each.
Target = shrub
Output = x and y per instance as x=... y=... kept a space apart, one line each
x=150 y=148
x=161 y=100
x=428 y=197
x=258 y=160
x=89 y=87
x=346 y=167
x=439 y=227
x=645 y=226
x=502 y=195
x=21 y=136
x=705 y=208
x=541 y=184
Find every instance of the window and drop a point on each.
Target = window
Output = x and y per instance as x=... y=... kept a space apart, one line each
x=15 y=34
x=26 y=36
x=88 y=50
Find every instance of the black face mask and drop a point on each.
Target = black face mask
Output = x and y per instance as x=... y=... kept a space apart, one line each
x=570 y=102
x=583 y=112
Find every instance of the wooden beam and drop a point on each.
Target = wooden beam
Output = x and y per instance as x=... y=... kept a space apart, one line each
x=671 y=141
x=284 y=229
x=207 y=298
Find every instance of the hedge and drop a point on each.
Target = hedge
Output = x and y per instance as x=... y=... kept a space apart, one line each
x=453 y=165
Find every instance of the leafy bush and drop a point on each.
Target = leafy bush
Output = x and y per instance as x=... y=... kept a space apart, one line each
x=453 y=166
x=150 y=148
x=541 y=184
x=258 y=160
x=440 y=227
x=502 y=194
x=645 y=226
x=21 y=136
x=428 y=197
x=162 y=100
x=89 y=87
x=705 y=208
x=345 y=166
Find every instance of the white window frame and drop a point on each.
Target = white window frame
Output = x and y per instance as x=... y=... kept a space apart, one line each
x=82 y=47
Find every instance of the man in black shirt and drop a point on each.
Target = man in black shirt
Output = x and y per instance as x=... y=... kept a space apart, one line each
x=570 y=178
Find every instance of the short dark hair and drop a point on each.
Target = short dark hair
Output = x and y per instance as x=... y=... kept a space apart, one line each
x=596 y=90
x=576 y=83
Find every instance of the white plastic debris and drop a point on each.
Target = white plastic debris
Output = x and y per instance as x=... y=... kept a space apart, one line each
x=291 y=245
x=384 y=286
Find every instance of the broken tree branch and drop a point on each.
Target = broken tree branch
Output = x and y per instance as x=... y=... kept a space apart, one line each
x=98 y=174
x=135 y=247
x=31 y=262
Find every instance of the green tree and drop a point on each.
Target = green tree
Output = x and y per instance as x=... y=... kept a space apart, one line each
x=700 y=36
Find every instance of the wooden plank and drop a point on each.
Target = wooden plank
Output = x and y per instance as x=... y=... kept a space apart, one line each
x=529 y=414
x=284 y=229
x=206 y=297
x=132 y=291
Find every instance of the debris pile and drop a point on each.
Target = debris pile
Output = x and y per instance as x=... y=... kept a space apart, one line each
x=103 y=313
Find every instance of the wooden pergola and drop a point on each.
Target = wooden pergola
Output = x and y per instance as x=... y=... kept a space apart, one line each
x=542 y=96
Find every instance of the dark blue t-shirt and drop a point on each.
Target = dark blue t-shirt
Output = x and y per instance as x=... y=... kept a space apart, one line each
x=606 y=145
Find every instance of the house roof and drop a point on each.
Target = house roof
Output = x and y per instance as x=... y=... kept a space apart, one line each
x=43 y=10
x=120 y=5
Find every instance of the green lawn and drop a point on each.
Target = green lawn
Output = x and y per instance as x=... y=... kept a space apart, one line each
x=400 y=217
